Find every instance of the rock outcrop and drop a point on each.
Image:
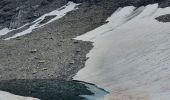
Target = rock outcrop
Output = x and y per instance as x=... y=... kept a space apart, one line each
x=15 y=13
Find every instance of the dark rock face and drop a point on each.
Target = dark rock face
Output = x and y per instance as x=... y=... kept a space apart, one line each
x=165 y=3
x=15 y=13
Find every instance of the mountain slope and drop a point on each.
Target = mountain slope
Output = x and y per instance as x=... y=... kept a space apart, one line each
x=48 y=57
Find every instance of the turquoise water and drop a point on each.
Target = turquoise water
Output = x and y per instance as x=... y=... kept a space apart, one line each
x=98 y=92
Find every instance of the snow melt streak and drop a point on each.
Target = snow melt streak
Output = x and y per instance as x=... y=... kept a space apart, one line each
x=131 y=55
x=59 y=14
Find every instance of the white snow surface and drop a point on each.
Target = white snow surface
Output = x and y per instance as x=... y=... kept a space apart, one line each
x=9 y=96
x=58 y=12
x=131 y=55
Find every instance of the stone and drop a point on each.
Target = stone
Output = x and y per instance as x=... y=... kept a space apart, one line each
x=34 y=72
x=36 y=58
x=44 y=69
x=72 y=62
x=41 y=61
x=78 y=50
x=59 y=45
x=33 y=51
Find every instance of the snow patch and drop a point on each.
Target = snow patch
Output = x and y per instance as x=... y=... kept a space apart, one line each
x=131 y=55
x=9 y=96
